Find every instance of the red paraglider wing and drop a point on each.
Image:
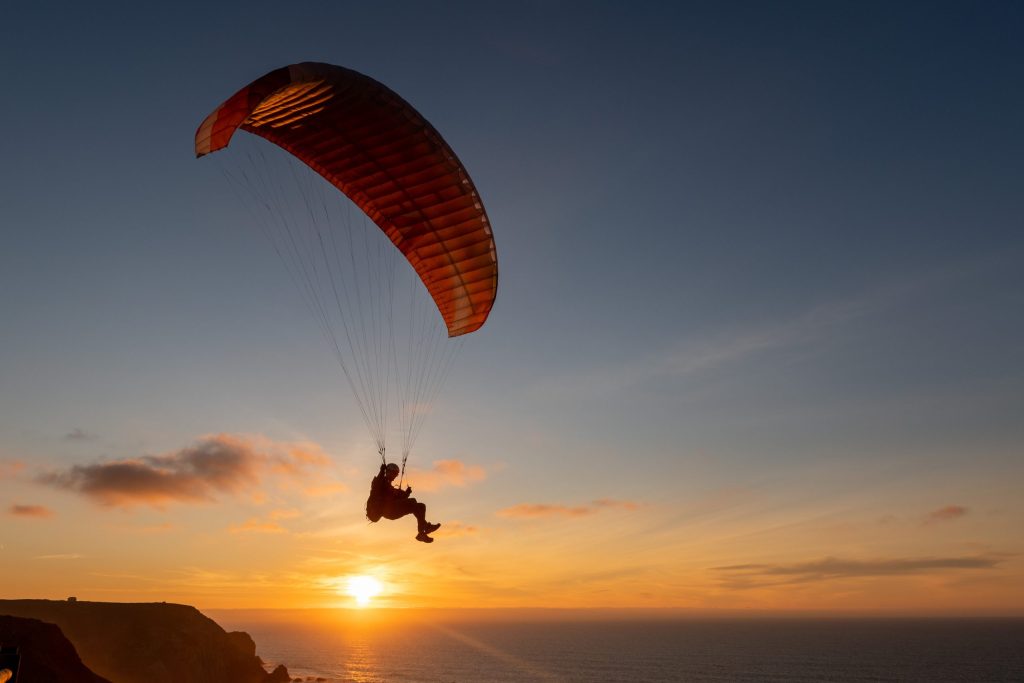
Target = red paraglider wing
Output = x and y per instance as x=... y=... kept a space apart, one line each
x=374 y=147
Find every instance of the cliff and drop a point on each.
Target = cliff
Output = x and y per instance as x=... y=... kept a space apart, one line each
x=45 y=654
x=149 y=642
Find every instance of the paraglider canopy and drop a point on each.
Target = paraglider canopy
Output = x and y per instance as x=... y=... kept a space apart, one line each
x=379 y=151
x=376 y=152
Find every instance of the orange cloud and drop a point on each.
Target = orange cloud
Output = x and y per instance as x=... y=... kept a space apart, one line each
x=528 y=510
x=295 y=459
x=455 y=528
x=758 y=575
x=256 y=526
x=10 y=469
x=620 y=504
x=446 y=473
x=537 y=510
x=945 y=514
x=218 y=464
x=30 y=511
x=325 y=489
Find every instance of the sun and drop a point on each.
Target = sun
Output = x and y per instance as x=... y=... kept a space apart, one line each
x=362 y=588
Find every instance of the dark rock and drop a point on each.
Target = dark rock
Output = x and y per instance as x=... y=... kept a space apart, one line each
x=279 y=675
x=243 y=643
x=149 y=642
x=45 y=655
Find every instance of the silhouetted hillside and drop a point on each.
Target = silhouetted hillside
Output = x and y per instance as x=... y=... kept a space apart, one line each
x=46 y=655
x=149 y=642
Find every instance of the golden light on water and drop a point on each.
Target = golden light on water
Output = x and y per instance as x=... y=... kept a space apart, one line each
x=362 y=588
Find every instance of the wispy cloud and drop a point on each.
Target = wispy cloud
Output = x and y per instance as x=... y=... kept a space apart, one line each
x=257 y=526
x=9 y=469
x=724 y=348
x=830 y=568
x=446 y=473
x=617 y=504
x=455 y=528
x=60 y=556
x=539 y=510
x=77 y=434
x=531 y=510
x=945 y=514
x=697 y=356
x=30 y=511
x=218 y=464
x=325 y=488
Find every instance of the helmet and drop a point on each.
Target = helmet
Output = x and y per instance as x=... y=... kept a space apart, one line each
x=392 y=469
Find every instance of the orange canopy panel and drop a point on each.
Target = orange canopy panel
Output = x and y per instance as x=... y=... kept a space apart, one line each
x=374 y=147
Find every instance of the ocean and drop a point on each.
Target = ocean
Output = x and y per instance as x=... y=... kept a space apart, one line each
x=364 y=650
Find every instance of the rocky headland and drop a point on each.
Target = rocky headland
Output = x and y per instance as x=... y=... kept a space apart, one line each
x=129 y=643
x=44 y=654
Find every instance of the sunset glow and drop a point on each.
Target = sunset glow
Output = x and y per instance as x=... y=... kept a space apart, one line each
x=757 y=344
x=363 y=588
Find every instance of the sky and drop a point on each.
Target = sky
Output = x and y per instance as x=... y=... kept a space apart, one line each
x=758 y=343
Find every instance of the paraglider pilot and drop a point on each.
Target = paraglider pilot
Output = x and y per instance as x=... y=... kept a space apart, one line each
x=391 y=502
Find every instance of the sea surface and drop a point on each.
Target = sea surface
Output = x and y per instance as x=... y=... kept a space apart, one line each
x=364 y=650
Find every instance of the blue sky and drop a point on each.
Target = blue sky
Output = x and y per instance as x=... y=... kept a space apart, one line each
x=742 y=245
